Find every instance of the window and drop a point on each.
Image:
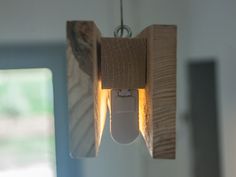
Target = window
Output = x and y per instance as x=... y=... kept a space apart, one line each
x=51 y=56
x=27 y=142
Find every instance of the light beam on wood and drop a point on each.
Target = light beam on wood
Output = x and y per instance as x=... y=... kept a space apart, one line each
x=157 y=102
x=87 y=102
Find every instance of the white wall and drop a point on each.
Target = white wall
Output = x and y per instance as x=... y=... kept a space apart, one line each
x=44 y=20
x=213 y=30
x=205 y=29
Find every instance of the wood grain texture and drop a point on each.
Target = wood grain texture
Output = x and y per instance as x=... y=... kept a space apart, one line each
x=157 y=108
x=86 y=101
x=123 y=63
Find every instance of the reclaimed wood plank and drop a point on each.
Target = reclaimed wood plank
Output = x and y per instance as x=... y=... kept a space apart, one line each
x=157 y=102
x=87 y=102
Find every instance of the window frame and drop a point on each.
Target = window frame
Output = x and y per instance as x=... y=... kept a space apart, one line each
x=53 y=57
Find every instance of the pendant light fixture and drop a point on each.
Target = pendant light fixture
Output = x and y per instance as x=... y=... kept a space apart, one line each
x=133 y=80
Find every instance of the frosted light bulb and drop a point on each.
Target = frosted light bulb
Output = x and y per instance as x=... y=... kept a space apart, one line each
x=124 y=115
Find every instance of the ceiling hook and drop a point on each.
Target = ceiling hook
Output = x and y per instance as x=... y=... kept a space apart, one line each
x=119 y=30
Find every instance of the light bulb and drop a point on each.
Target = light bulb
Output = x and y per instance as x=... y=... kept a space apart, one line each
x=124 y=115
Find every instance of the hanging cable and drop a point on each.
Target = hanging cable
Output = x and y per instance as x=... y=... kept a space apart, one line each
x=119 y=30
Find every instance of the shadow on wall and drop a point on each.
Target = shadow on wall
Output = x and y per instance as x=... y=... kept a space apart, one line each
x=204 y=118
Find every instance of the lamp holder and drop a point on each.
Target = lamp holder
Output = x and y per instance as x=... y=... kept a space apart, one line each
x=97 y=66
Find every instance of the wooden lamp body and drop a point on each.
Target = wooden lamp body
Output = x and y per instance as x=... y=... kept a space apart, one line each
x=146 y=63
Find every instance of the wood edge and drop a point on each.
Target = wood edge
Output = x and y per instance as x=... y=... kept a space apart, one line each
x=162 y=26
x=149 y=32
x=69 y=37
x=143 y=112
x=171 y=156
x=95 y=40
x=100 y=110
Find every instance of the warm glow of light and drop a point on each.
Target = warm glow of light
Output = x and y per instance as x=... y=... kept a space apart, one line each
x=145 y=126
x=102 y=98
x=109 y=102
x=142 y=111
